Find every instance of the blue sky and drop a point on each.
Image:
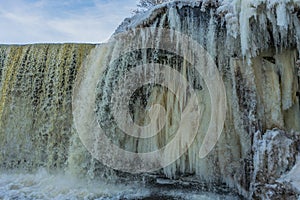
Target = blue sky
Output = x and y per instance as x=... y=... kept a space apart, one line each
x=40 y=21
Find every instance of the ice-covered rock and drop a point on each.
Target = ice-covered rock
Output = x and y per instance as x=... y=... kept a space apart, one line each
x=258 y=24
x=274 y=155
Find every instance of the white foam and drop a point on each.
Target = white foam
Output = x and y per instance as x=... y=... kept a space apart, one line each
x=43 y=185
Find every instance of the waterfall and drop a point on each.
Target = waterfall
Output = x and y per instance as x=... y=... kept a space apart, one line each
x=195 y=92
x=36 y=110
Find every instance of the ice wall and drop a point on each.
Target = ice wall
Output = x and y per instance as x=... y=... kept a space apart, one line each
x=255 y=46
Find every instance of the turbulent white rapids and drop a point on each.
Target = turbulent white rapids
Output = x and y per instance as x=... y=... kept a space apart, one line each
x=53 y=96
x=42 y=185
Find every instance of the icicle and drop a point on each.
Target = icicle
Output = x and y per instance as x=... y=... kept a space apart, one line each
x=211 y=40
x=282 y=17
x=245 y=14
x=174 y=19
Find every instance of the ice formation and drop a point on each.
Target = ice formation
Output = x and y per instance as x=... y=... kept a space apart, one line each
x=257 y=24
x=274 y=156
x=255 y=45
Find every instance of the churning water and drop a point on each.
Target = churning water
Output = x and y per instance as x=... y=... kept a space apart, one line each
x=42 y=185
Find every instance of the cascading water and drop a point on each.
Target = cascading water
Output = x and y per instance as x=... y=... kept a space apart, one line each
x=36 y=112
x=255 y=50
